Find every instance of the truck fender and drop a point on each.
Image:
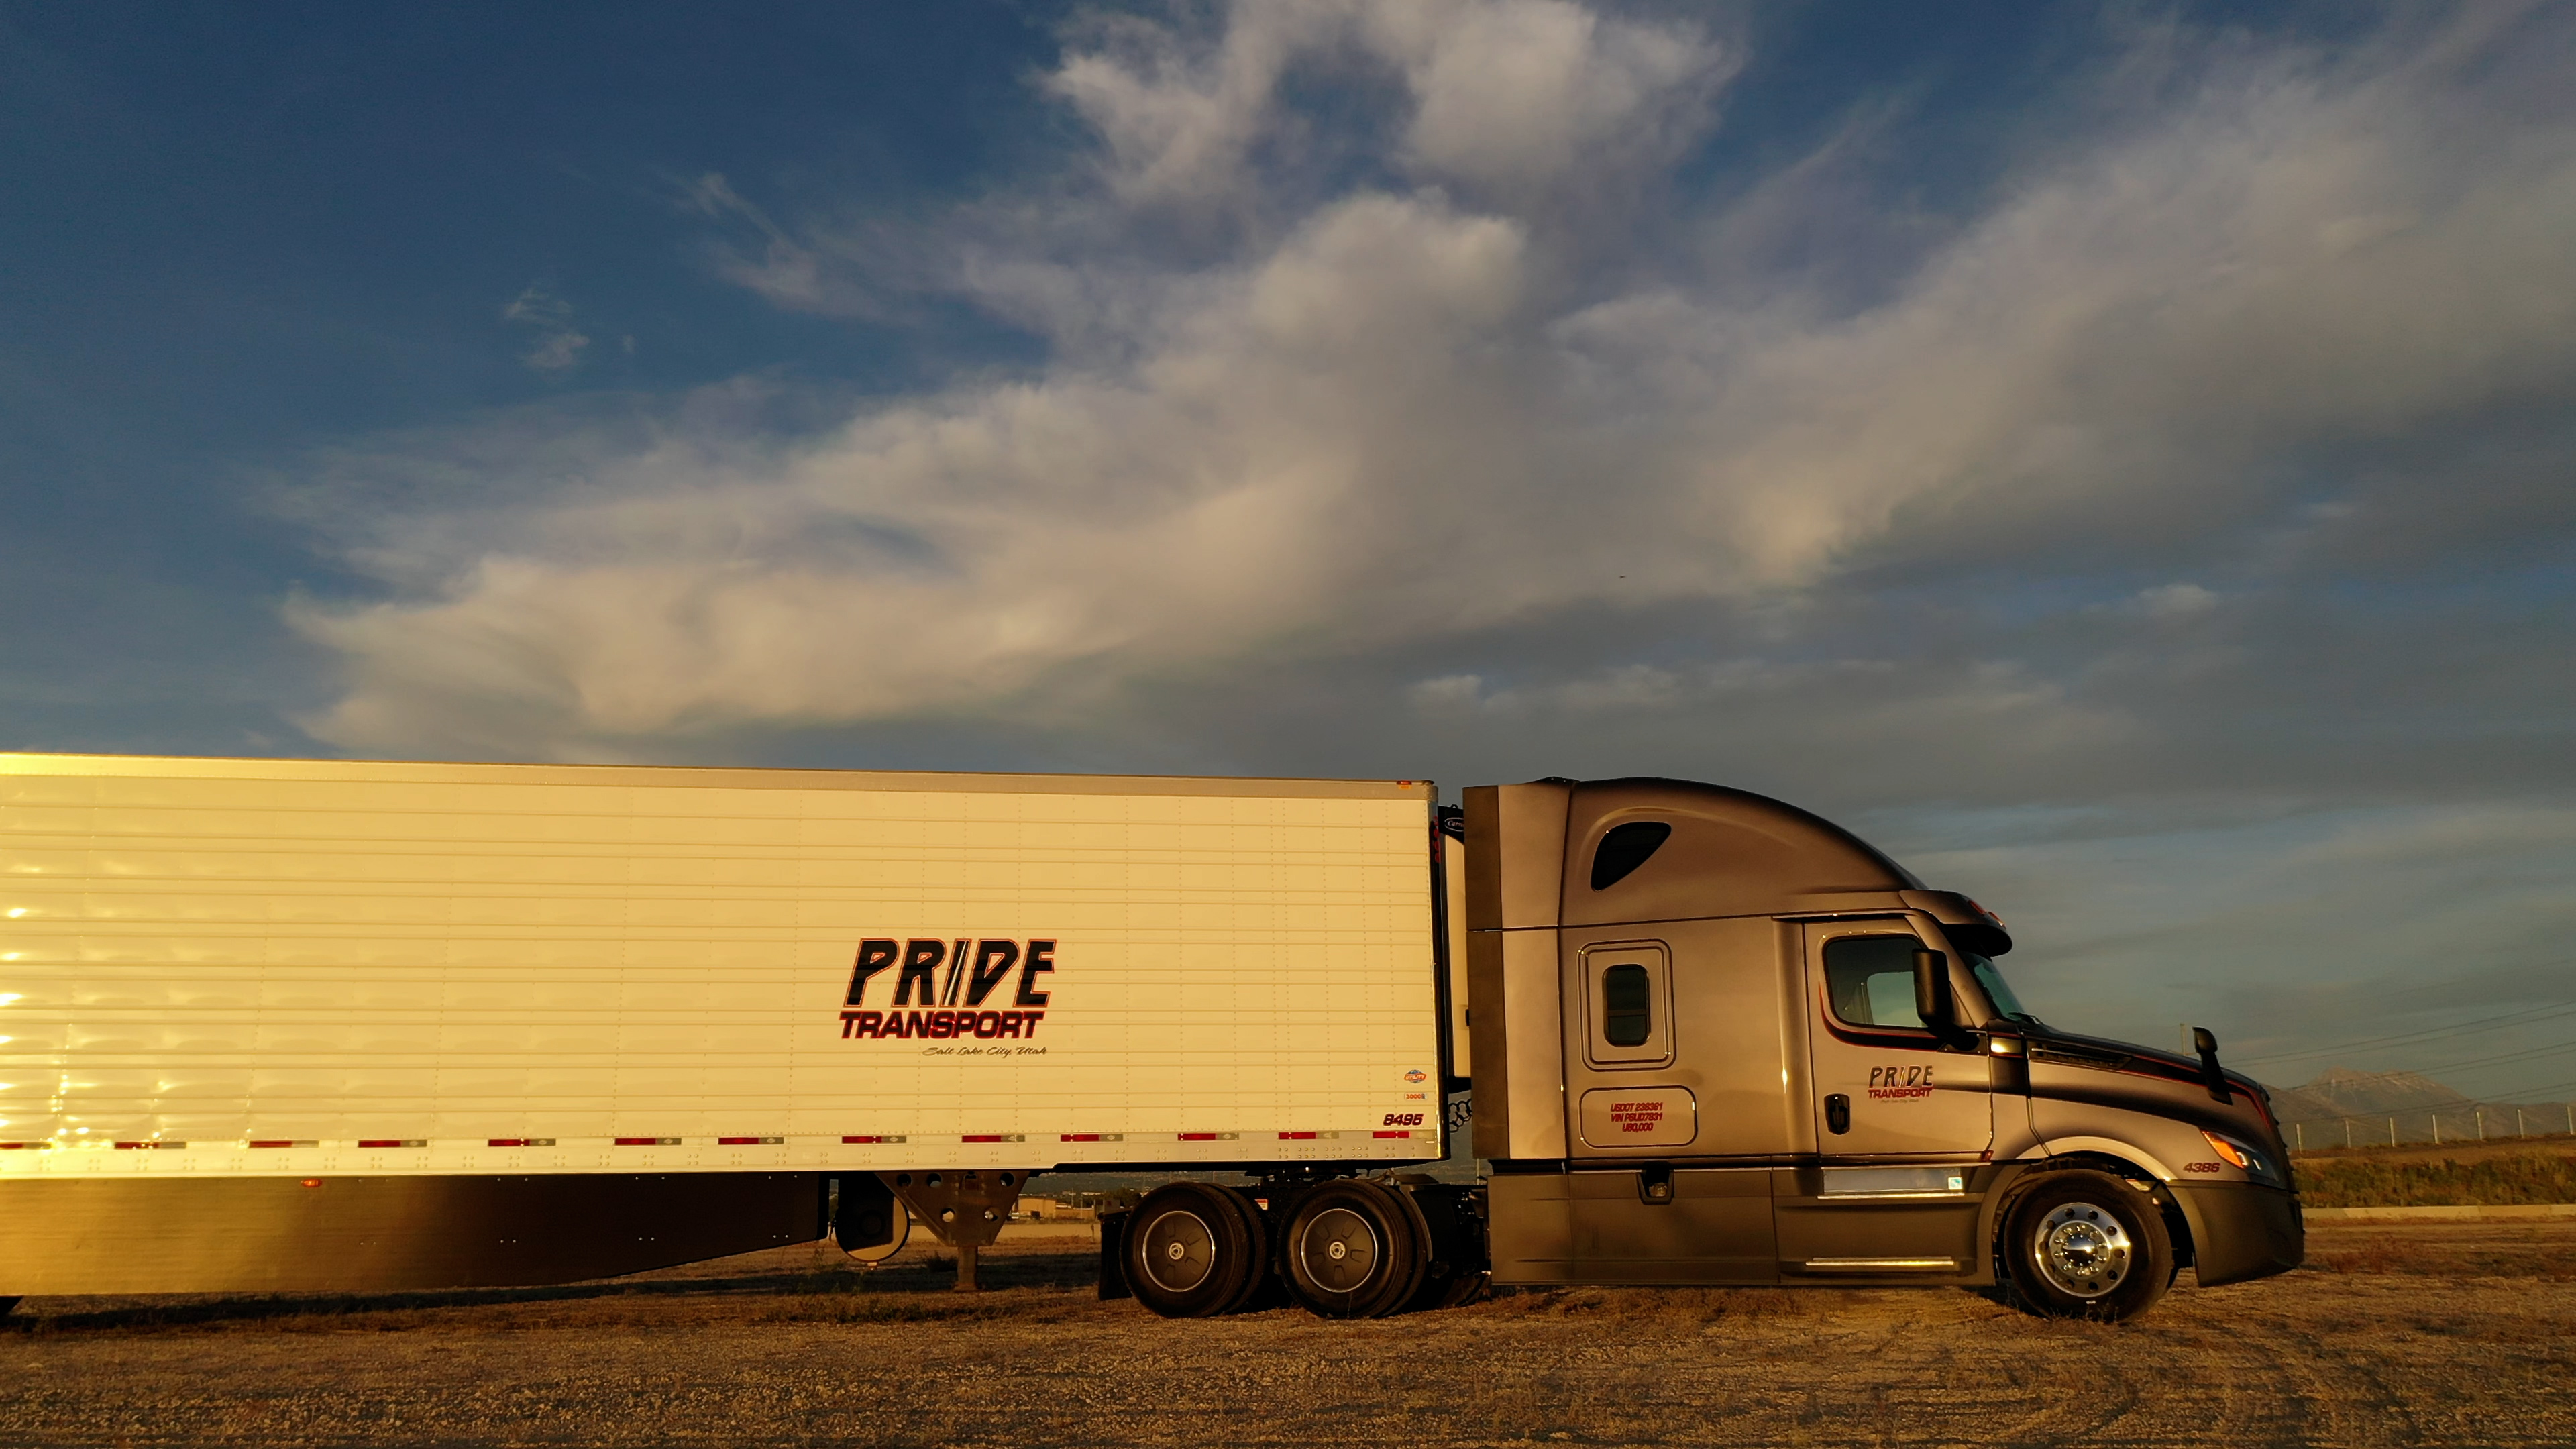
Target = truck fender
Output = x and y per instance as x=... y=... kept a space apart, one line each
x=2124 y=1158
x=2129 y=1152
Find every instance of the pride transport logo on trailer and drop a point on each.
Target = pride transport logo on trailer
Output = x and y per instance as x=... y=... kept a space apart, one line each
x=933 y=975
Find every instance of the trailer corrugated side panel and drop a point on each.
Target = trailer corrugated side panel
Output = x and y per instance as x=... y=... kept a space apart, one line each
x=278 y=963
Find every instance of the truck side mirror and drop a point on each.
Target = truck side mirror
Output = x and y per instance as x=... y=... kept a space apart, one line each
x=1932 y=988
x=2212 y=1076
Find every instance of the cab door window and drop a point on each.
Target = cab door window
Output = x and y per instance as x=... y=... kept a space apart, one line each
x=1628 y=1005
x=1869 y=981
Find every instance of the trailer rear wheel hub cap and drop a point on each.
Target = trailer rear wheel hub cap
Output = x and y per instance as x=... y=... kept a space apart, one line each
x=1179 y=1251
x=2083 y=1249
x=1340 y=1249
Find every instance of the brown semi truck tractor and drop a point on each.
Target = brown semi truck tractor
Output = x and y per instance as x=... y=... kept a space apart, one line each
x=344 y=1025
x=1720 y=1040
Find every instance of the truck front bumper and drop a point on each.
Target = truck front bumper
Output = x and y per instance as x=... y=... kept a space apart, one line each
x=2241 y=1230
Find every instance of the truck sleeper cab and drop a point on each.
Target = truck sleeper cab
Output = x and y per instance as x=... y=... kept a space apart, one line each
x=1718 y=1040
x=1783 y=1060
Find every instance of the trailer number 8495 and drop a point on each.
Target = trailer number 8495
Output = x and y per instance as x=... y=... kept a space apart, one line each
x=1403 y=1119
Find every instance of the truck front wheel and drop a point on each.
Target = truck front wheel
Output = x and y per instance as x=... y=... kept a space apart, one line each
x=2085 y=1244
x=1351 y=1250
x=1191 y=1253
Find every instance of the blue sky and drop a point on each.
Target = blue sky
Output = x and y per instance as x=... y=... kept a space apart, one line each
x=2117 y=457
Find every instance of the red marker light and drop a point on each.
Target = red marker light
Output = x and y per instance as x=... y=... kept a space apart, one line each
x=312 y=1182
x=1296 y=1136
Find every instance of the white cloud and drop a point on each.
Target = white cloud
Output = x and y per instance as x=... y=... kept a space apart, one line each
x=1516 y=96
x=1513 y=96
x=1403 y=417
x=2174 y=601
x=558 y=344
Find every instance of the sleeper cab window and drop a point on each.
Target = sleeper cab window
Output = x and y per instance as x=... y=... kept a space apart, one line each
x=1628 y=1004
x=1869 y=980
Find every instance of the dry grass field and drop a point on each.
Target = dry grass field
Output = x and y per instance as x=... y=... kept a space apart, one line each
x=2464 y=1175
x=2439 y=1334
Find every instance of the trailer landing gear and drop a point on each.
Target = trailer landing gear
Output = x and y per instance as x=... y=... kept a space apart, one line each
x=964 y=1210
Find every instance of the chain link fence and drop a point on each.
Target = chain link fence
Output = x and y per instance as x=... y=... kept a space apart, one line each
x=2441 y=1127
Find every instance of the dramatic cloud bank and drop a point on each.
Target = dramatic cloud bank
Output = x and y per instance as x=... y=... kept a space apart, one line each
x=2149 y=510
x=1379 y=332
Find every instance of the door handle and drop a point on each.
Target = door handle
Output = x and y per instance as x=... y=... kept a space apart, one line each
x=1655 y=1185
x=1838 y=1113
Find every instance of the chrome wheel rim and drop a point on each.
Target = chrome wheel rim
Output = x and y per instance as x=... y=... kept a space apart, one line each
x=1179 y=1251
x=2083 y=1249
x=1339 y=1249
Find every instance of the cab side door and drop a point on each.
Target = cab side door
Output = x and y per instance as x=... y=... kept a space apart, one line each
x=1904 y=1114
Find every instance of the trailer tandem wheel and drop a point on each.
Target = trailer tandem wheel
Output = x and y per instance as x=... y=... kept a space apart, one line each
x=1192 y=1250
x=1257 y=1250
x=1351 y=1249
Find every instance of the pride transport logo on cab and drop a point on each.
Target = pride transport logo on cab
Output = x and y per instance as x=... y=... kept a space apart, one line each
x=945 y=984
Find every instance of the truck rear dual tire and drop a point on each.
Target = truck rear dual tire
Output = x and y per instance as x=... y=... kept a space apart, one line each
x=2085 y=1244
x=1195 y=1250
x=1353 y=1249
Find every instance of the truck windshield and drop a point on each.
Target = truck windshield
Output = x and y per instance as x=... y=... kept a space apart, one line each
x=1991 y=977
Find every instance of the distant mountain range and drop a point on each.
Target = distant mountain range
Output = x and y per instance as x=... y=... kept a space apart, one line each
x=2409 y=1105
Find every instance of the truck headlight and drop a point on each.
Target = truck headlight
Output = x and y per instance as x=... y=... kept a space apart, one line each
x=2252 y=1160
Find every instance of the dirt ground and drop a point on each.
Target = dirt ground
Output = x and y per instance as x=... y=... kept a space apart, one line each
x=2437 y=1334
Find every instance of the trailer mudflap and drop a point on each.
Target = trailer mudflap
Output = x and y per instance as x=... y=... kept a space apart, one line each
x=1113 y=1257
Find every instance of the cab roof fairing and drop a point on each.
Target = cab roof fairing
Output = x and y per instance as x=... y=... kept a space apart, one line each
x=1735 y=853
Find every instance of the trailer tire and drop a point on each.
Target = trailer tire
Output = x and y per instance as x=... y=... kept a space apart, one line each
x=1256 y=1232
x=1351 y=1249
x=1192 y=1250
x=2084 y=1244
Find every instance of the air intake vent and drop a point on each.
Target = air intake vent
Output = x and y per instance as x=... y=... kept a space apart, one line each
x=1624 y=849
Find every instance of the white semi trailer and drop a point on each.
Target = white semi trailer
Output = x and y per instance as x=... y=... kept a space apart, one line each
x=271 y=1025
